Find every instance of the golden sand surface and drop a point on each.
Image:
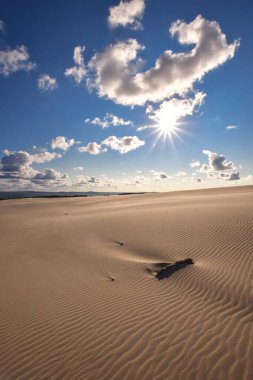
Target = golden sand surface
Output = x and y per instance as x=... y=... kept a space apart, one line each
x=79 y=298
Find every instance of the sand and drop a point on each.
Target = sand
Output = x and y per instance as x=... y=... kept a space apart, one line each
x=75 y=303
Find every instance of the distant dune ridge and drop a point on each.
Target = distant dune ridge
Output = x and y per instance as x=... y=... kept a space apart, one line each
x=79 y=297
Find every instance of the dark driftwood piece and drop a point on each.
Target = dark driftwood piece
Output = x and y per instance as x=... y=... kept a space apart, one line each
x=168 y=270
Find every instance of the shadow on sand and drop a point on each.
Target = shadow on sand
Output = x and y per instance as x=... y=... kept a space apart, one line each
x=168 y=270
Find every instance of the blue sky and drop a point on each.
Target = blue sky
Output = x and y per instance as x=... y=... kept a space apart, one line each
x=135 y=95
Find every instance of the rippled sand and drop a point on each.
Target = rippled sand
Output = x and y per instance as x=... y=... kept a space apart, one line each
x=79 y=298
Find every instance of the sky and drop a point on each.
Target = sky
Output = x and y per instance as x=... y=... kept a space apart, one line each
x=133 y=95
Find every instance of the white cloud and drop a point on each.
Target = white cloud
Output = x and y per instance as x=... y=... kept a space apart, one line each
x=78 y=71
x=78 y=168
x=127 y=13
x=231 y=127
x=171 y=111
x=218 y=162
x=194 y=164
x=116 y=69
x=92 y=148
x=63 y=143
x=13 y=60
x=47 y=83
x=108 y=120
x=123 y=144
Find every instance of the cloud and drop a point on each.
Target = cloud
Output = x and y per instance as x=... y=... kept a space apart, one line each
x=2 y=26
x=47 y=83
x=49 y=175
x=180 y=174
x=116 y=68
x=233 y=176
x=160 y=175
x=17 y=164
x=78 y=168
x=13 y=60
x=218 y=162
x=228 y=127
x=92 y=148
x=171 y=111
x=63 y=143
x=123 y=144
x=127 y=13
x=78 y=71
x=108 y=120
x=194 y=164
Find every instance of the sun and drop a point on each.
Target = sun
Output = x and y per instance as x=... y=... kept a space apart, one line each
x=167 y=126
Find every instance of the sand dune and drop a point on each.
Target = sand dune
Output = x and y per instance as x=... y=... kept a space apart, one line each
x=62 y=316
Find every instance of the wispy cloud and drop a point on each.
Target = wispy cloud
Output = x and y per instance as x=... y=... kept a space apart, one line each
x=127 y=13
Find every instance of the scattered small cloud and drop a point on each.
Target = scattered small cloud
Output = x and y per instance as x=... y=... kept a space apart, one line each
x=63 y=143
x=78 y=168
x=194 y=164
x=127 y=13
x=49 y=175
x=123 y=144
x=13 y=60
x=233 y=176
x=108 y=120
x=78 y=71
x=47 y=83
x=218 y=162
x=92 y=148
x=157 y=175
x=229 y=127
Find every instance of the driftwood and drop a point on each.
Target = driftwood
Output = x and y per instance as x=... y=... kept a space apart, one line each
x=169 y=269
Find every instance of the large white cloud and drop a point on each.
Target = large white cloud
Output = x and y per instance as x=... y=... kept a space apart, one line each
x=78 y=71
x=116 y=69
x=47 y=83
x=108 y=120
x=123 y=144
x=127 y=13
x=12 y=60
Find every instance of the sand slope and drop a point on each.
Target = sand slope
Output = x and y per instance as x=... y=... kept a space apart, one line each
x=62 y=316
